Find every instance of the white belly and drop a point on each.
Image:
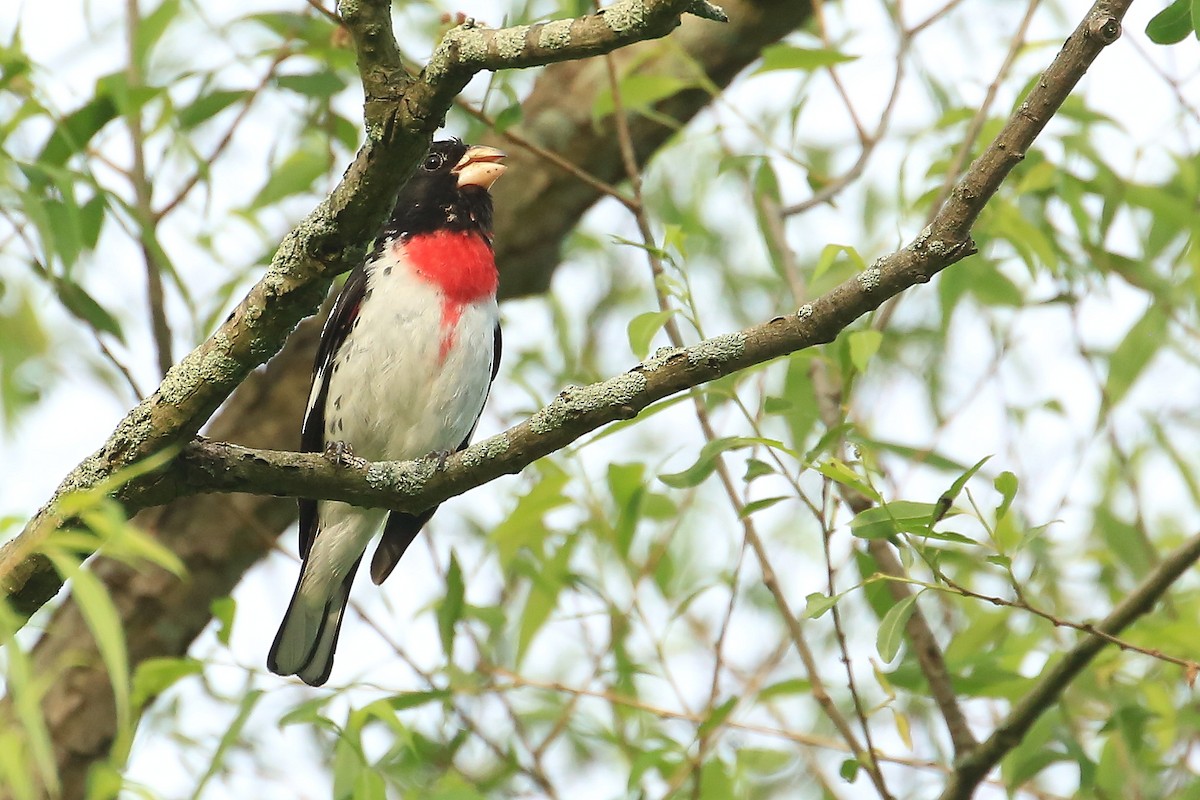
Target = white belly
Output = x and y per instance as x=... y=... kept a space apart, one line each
x=405 y=383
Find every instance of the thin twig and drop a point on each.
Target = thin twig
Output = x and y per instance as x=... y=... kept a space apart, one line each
x=963 y=155
x=193 y=180
x=549 y=156
x=867 y=142
x=142 y=205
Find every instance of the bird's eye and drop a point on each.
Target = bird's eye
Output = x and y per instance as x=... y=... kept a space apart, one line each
x=433 y=161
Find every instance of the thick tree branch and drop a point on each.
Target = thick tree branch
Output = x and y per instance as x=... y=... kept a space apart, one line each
x=970 y=770
x=401 y=115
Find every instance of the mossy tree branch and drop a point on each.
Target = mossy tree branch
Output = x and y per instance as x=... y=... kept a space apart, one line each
x=401 y=114
x=412 y=486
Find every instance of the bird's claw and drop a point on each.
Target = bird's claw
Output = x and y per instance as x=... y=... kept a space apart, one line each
x=440 y=456
x=342 y=454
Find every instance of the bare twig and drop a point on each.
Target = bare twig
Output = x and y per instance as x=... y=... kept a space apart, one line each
x=549 y=156
x=963 y=154
x=142 y=200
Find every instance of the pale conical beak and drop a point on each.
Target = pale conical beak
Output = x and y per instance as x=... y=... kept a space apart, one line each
x=479 y=166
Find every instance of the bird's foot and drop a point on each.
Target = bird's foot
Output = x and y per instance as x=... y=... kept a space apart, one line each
x=440 y=456
x=342 y=454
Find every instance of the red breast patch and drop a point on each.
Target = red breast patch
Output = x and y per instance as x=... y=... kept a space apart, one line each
x=460 y=263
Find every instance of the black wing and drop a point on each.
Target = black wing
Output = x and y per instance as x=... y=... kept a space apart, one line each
x=401 y=528
x=312 y=434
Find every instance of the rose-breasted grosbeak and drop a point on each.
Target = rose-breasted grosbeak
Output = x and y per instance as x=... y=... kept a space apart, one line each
x=403 y=369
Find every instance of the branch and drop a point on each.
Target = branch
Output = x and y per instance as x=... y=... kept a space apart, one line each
x=970 y=771
x=400 y=115
x=413 y=486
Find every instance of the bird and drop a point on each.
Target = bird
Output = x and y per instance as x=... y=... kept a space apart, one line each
x=404 y=366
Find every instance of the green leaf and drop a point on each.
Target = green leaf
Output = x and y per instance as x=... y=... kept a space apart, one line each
x=785 y=688
x=1134 y=353
x=716 y=717
x=898 y=516
x=223 y=610
x=507 y=118
x=950 y=495
x=104 y=622
x=91 y=221
x=920 y=455
x=992 y=287
x=760 y=504
x=891 y=629
x=643 y=328
x=947 y=536
x=839 y=472
x=369 y=785
x=295 y=175
x=757 y=469
x=1173 y=23
x=786 y=56
x=816 y=604
x=308 y=713
x=715 y=781
x=150 y=29
x=207 y=106
x=849 y=769
x=405 y=700
x=864 y=345
x=627 y=484
x=1006 y=485
x=32 y=751
x=523 y=528
x=450 y=609
x=706 y=462
x=74 y=131
x=638 y=94
x=762 y=762
x=545 y=585
x=321 y=85
x=830 y=255
x=155 y=675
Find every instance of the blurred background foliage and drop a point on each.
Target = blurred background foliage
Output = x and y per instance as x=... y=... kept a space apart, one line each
x=598 y=626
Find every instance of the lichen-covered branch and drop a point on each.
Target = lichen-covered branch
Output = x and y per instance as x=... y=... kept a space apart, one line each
x=401 y=114
x=415 y=485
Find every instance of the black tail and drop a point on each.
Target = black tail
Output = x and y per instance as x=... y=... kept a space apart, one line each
x=398 y=534
x=308 y=635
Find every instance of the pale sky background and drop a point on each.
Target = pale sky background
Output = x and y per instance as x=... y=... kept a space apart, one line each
x=80 y=412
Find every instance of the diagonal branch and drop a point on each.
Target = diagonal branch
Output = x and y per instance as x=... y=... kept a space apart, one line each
x=415 y=485
x=970 y=771
x=578 y=410
x=401 y=113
